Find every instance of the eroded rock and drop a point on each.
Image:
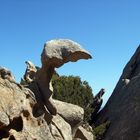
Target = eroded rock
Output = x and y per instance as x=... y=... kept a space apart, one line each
x=55 y=54
x=60 y=51
x=72 y=114
x=16 y=118
x=6 y=74
x=30 y=72
x=60 y=124
x=29 y=111
x=83 y=134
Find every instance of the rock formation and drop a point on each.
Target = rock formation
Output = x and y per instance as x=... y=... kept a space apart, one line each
x=16 y=118
x=29 y=112
x=55 y=54
x=96 y=105
x=83 y=134
x=6 y=74
x=30 y=72
x=123 y=107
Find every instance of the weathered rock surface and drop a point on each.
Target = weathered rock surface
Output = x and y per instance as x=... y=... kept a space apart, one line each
x=60 y=51
x=6 y=74
x=16 y=118
x=29 y=112
x=22 y=117
x=60 y=125
x=83 y=134
x=123 y=107
x=55 y=54
x=72 y=114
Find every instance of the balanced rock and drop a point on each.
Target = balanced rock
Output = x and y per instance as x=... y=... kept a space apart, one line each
x=60 y=51
x=55 y=54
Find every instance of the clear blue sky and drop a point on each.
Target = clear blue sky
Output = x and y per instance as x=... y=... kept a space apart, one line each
x=108 y=29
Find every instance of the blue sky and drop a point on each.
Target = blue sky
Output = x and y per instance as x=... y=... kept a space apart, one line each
x=108 y=29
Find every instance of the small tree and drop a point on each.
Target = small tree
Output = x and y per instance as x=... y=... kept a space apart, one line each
x=72 y=90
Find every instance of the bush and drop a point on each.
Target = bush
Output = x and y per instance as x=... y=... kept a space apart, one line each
x=72 y=90
x=100 y=130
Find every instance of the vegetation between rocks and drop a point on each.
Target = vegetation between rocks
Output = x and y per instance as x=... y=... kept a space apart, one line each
x=72 y=90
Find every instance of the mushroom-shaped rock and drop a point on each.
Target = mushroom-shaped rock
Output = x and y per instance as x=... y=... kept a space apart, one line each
x=58 y=52
x=54 y=55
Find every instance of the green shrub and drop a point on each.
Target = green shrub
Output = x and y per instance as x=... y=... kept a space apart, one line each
x=72 y=90
x=100 y=130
